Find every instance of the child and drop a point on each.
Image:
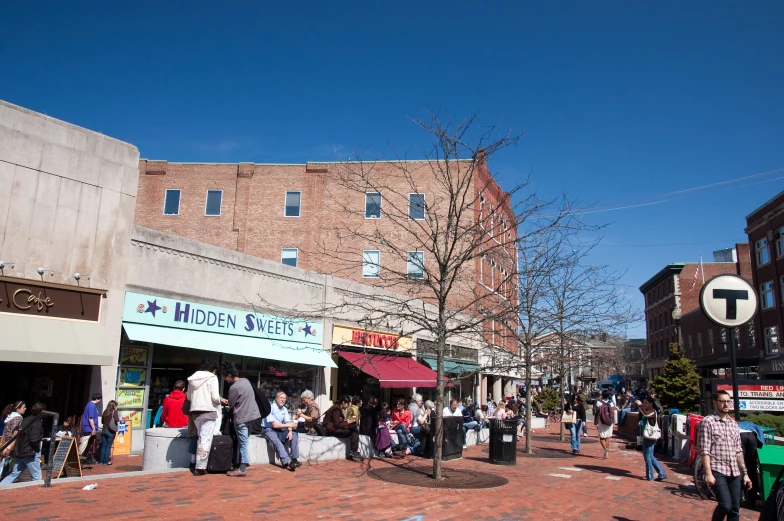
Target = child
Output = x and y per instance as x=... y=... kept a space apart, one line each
x=352 y=413
x=64 y=429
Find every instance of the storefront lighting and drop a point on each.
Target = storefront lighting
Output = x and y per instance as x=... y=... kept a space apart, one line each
x=41 y=272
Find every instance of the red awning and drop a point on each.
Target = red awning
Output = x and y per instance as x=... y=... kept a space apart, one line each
x=393 y=371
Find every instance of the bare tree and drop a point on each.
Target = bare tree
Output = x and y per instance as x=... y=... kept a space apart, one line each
x=431 y=251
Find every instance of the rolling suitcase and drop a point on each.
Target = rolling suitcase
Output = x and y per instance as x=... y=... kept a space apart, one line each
x=221 y=454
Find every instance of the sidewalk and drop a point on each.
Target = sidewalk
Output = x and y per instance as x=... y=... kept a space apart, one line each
x=585 y=487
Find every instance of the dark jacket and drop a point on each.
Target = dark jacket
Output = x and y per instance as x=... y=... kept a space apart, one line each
x=334 y=420
x=368 y=419
x=29 y=441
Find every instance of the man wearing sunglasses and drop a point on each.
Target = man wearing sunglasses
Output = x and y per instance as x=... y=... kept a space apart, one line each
x=718 y=443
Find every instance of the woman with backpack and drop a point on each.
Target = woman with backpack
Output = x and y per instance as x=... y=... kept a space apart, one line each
x=12 y=417
x=27 y=447
x=650 y=432
x=109 y=420
x=604 y=418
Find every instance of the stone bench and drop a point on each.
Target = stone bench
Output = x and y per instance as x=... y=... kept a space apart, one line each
x=162 y=445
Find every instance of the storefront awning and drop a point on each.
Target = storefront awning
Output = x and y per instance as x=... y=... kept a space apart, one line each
x=454 y=368
x=231 y=344
x=392 y=371
x=53 y=341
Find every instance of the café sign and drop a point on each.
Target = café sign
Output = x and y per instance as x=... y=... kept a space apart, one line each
x=25 y=297
x=347 y=336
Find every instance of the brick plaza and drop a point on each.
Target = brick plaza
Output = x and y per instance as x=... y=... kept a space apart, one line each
x=585 y=488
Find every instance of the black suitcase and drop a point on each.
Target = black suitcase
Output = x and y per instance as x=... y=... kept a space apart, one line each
x=221 y=454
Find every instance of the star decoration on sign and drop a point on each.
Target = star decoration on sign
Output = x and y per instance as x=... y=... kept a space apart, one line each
x=307 y=330
x=152 y=307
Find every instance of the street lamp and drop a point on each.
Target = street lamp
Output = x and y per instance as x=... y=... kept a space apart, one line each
x=676 y=316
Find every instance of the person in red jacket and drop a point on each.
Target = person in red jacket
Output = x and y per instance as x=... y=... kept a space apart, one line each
x=172 y=415
x=401 y=422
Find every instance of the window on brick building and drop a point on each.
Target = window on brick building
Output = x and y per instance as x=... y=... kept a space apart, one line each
x=780 y=243
x=416 y=206
x=372 y=205
x=710 y=341
x=171 y=203
x=371 y=263
x=416 y=264
x=752 y=335
x=690 y=346
x=699 y=343
x=782 y=290
x=763 y=254
x=214 y=200
x=767 y=295
x=724 y=339
x=288 y=256
x=772 y=340
x=293 y=200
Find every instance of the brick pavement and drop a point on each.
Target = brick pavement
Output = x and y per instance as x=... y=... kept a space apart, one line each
x=586 y=487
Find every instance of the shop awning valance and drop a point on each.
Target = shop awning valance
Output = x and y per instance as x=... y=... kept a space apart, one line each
x=54 y=341
x=453 y=368
x=392 y=371
x=231 y=344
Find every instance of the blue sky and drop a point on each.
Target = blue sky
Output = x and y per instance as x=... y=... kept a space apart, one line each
x=619 y=101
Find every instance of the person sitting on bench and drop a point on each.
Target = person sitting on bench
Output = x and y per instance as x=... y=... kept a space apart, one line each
x=278 y=428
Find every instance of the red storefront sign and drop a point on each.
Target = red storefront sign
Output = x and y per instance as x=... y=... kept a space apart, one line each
x=361 y=338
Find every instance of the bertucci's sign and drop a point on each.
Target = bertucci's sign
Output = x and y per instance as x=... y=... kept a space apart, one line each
x=342 y=335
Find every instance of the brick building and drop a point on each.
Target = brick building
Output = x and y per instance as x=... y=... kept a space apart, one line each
x=765 y=229
x=675 y=286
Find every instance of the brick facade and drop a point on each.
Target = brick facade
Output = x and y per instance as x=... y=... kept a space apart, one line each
x=765 y=230
x=252 y=219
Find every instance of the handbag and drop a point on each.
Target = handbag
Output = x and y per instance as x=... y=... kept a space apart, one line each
x=569 y=417
x=652 y=432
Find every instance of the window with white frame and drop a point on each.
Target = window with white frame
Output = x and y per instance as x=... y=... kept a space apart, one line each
x=416 y=206
x=372 y=205
x=782 y=290
x=724 y=340
x=752 y=335
x=293 y=200
x=288 y=256
x=767 y=295
x=371 y=264
x=171 y=203
x=416 y=265
x=780 y=244
x=763 y=254
x=214 y=200
x=772 y=340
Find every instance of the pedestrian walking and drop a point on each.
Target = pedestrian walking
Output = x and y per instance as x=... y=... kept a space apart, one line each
x=12 y=417
x=242 y=401
x=650 y=433
x=27 y=447
x=204 y=399
x=604 y=419
x=110 y=419
x=578 y=412
x=718 y=443
x=89 y=426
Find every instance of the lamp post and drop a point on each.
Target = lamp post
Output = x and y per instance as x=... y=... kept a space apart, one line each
x=676 y=316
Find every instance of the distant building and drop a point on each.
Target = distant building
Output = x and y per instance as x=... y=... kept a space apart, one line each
x=765 y=229
x=725 y=255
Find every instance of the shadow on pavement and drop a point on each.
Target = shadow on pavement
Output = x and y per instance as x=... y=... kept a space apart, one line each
x=606 y=470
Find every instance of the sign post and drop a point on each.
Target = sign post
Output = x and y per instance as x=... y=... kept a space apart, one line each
x=729 y=301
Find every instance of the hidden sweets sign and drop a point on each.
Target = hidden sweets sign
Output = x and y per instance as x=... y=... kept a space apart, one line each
x=180 y=314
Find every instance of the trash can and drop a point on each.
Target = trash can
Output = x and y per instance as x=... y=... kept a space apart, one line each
x=769 y=433
x=452 y=446
x=771 y=460
x=503 y=442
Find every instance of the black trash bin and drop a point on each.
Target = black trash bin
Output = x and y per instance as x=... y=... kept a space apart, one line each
x=503 y=442
x=452 y=447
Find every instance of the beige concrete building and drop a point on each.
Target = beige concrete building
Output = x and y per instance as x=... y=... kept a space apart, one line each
x=67 y=199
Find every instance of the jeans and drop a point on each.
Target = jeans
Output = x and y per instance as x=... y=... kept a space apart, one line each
x=728 y=494
x=105 y=448
x=466 y=426
x=416 y=430
x=622 y=418
x=651 y=463
x=33 y=464
x=402 y=434
x=585 y=428
x=242 y=438
x=353 y=433
x=574 y=432
x=278 y=440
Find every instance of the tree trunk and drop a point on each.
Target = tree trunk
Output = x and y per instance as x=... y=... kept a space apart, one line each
x=439 y=426
x=528 y=413
x=561 y=387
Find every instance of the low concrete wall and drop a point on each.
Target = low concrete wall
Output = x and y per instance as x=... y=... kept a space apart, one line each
x=163 y=445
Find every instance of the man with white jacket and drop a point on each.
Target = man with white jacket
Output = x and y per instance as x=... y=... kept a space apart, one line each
x=204 y=399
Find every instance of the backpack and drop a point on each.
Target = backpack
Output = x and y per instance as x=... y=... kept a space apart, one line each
x=606 y=415
x=263 y=404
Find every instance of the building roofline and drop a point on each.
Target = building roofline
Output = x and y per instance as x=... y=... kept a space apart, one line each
x=295 y=164
x=765 y=204
x=675 y=267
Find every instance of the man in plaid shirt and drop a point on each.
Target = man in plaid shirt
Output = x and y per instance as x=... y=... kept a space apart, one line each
x=719 y=445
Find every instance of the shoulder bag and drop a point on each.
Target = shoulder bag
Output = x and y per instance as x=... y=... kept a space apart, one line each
x=652 y=432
